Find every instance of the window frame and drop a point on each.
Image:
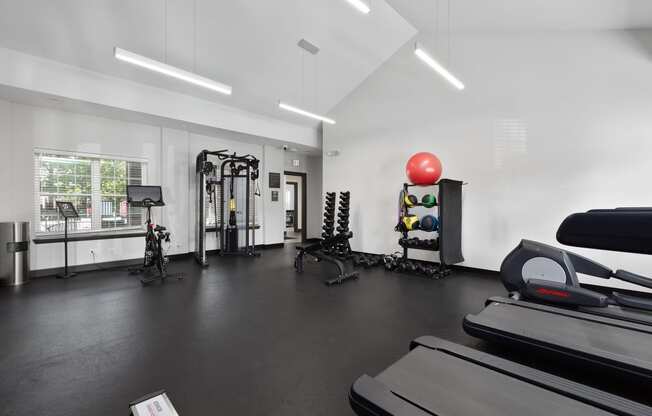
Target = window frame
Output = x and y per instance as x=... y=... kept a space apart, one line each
x=96 y=192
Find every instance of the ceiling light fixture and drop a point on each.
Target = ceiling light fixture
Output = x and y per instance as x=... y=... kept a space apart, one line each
x=313 y=49
x=360 y=5
x=293 y=109
x=431 y=62
x=171 y=71
x=421 y=53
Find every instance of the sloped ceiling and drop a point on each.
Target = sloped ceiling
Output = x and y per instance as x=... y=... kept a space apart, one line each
x=249 y=44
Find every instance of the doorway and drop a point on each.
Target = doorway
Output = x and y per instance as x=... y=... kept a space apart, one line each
x=295 y=207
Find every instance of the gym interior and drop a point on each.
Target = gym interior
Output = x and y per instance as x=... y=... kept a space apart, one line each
x=327 y=207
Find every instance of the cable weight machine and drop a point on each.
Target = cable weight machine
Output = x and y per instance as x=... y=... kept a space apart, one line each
x=224 y=188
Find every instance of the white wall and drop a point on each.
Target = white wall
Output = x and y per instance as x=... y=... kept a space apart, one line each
x=170 y=156
x=549 y=124
x=38 y=75
x=274 y=218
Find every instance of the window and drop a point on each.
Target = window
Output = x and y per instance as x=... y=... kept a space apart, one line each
x=97 y=186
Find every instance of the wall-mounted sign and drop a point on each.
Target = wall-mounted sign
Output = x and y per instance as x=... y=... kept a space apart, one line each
x=274 y=196
x=274 y=180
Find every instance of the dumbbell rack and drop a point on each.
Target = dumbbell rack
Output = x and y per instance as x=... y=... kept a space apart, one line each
x=343 y=249
x=333 y=248
x=328 y=228
x=450 y=194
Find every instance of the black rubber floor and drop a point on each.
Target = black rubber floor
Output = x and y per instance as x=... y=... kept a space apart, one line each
x=242 y=337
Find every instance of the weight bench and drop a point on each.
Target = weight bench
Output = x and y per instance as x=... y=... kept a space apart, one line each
x=320 y=252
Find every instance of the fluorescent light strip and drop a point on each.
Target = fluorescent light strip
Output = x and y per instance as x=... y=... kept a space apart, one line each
x=160 y=67
x=360 y=5
x=288 y=107
x=423 y=55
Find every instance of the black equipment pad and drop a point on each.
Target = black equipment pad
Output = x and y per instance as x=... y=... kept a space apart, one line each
x=622 y=229
x=137 y=195
x=445 y=379
x=621 y=345
x=450 y=216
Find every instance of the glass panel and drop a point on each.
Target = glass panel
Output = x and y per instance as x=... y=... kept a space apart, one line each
x=69 y=178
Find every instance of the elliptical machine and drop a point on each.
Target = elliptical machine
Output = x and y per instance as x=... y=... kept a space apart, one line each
x=539 y=272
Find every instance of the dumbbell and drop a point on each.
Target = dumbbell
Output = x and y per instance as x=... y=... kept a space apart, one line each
x=390 y=262
x=373 y=260
x=420 y=268
x=410 y=266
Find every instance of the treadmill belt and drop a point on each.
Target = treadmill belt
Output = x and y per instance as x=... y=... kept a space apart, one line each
x=625 y=346
x=445 y=379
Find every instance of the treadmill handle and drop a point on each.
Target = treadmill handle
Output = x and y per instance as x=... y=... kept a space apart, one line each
x=630 y=277
x=632 y=301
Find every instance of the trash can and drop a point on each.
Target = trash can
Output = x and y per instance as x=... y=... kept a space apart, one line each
x=14 y=253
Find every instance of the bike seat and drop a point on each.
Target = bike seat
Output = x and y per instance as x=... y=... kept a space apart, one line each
x=159 y=228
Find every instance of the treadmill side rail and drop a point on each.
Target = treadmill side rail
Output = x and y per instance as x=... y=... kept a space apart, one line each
x=566 y=333
x=438 y=377
x=371 y=397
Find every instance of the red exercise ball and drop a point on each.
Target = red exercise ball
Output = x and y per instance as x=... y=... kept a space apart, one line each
x=423 y=168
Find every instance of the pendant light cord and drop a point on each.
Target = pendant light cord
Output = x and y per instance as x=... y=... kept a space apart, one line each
x=194 y=36
x=165 y=31
x=448 y=35
x=436 y=26
x=303 y=77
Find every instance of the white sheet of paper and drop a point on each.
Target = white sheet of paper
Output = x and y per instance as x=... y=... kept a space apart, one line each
x=156 y=406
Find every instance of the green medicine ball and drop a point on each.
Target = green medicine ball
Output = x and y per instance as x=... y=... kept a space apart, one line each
x=429 y=201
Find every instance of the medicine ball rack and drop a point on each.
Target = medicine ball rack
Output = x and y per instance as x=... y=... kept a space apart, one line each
x=449 y=240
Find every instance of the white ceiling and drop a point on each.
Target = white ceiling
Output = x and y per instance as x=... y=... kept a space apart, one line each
x=249 y=44
x=526 y=15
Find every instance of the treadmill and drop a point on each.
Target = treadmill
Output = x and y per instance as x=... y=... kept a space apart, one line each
x=549 y=311
x=441 y=378
x=598 y=340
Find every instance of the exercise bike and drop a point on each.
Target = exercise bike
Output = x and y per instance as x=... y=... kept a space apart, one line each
x=541 y=273
x=155 y=260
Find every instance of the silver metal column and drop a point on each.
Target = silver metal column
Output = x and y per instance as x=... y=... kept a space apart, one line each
x=14 y=253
